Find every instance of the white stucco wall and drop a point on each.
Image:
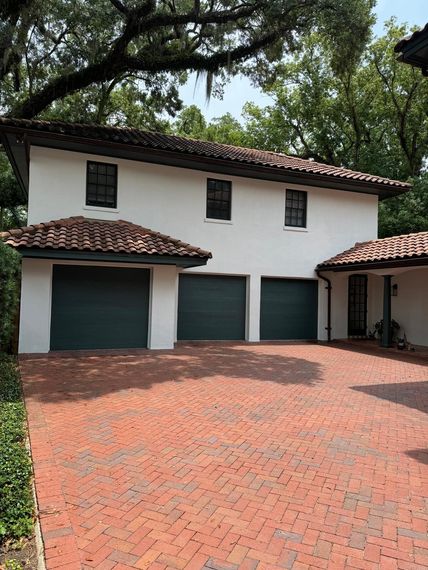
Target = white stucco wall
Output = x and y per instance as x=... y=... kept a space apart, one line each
x=410 y=307
x=173 y=201
x=339 y=305
x=163 y=307
x=35 y=310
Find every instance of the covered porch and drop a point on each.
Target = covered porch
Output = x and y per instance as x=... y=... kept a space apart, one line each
x=379 y=289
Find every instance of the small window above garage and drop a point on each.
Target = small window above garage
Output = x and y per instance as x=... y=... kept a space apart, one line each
x=101 y=184
x=219 y=199
x=295 y=208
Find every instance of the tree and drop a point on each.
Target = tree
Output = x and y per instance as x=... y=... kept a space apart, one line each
x=12 y=200
x=408 y=213
x=50 y=49
x=190 y=123
x=225 y=129
x=371 y=116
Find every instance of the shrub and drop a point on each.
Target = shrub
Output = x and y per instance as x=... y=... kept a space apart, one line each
x=16 y=499
x=12 y=565
x=9 y=292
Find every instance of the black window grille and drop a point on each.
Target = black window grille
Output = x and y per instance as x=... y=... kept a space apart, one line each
x=357 y=305
x=219 y=199
x=101 y=184
x=295 y=208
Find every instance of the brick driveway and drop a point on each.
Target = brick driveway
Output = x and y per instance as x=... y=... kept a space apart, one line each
x=231 y=457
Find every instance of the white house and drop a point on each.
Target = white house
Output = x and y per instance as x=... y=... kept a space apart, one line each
x=99 y=270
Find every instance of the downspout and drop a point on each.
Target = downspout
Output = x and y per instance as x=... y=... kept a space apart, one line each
x=329 y=288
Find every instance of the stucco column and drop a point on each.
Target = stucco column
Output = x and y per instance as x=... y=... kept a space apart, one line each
x=253 y=308
x=163 y=307
x=35 y=310
x=386 y=332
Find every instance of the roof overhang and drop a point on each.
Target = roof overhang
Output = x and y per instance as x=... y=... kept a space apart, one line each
x=74 y=255
x=394 y=263
x=17 y=142
x=414 y=51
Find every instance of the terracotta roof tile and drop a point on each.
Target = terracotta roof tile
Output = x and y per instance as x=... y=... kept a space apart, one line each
x=209 y=149
x=85 y=234
x=404 y=247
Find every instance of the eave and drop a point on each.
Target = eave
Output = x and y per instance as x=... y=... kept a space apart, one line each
x=74 y=255
x=20 y=160
x=415 y=51
x=410 y=262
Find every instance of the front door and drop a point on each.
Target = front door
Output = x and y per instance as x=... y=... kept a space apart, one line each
x=357 y=305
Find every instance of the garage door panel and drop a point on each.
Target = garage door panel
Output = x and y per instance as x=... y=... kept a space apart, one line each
x=211 y=307
x=289 y=309
x=99 y=307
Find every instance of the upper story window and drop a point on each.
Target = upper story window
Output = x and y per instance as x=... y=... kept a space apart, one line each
x=295 y=208
x=219 y=199
x=101 y=184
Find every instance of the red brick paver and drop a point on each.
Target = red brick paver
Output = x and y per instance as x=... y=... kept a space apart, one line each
x=231 y=457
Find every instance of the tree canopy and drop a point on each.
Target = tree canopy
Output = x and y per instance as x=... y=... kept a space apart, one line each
x=371 y=117
x=50 y=49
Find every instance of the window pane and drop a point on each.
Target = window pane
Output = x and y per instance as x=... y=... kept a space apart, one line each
x=295 y=208
x=219 y=199
x=101 y=184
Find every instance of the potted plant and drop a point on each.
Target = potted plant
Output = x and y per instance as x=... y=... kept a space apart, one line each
x=395 y=327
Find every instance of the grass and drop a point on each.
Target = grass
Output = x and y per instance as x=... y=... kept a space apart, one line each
x=16 y=498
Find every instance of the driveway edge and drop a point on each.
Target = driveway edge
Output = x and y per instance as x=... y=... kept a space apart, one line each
x=56 y=543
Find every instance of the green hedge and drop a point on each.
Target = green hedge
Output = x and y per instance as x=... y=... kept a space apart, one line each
x=10 y=268
x=16 y=498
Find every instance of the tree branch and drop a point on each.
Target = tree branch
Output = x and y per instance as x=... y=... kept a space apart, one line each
x=116 y=62
x=120 y=7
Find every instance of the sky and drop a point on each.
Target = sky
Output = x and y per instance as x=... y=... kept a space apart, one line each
x=240 y=90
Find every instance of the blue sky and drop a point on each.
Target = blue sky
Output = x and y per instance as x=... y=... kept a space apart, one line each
x=239 y=90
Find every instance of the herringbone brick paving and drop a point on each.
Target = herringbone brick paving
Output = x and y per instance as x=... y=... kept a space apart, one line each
x=231 y=457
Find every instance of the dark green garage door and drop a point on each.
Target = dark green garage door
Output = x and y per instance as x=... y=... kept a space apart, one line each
x=99 y=307
x=289 y=309
x=211 y=307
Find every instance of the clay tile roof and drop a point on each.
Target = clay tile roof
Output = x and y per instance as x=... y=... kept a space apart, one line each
x=208 y=149
x=396 y=248
x=85 y=234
